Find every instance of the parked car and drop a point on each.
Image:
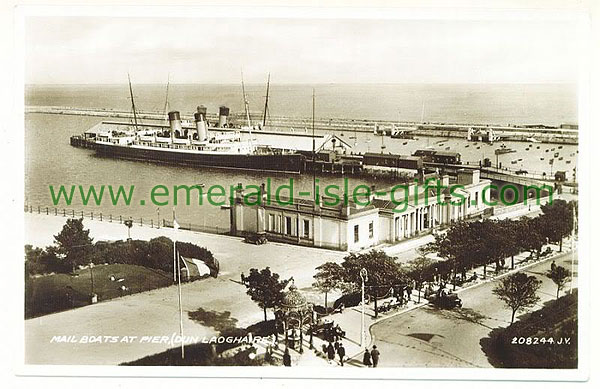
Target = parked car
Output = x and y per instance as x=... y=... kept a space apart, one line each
x=446 y=301
x=521 y=171
x=256 y=238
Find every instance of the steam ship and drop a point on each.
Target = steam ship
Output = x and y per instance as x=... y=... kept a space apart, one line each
x=199 y=145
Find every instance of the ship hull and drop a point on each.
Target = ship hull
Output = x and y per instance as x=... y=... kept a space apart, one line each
x=290 y=163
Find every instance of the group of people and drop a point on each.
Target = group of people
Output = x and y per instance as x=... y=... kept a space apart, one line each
x=335 y=348
x=371 y=359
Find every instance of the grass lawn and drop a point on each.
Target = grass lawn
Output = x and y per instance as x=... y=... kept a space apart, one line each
x=59 y=292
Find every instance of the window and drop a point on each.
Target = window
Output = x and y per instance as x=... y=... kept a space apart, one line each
x=356 y=233
x=271 y=226
x=476 y=199
x=371 y=233
x=288 y=225
x=306 y=230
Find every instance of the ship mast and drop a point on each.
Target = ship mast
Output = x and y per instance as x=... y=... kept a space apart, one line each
x=132 y=103
x=166 y=110
x=313 y=149
x=246 y=109
x=266 y=101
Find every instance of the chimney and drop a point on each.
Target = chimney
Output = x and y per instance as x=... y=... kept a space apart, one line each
x=174 y=123
x=223 y=113
x=200 y=118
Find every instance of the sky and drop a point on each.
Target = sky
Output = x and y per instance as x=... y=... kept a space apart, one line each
x=101 y=50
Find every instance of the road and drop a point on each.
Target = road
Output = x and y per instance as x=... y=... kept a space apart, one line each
x=428 y=337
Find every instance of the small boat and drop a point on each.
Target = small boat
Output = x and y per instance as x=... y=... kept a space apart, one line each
x=542 y=158
x=404 y=143
x=466 y=145
x=478 y=147
x=552 y=149
x=447 y=148
x=560 y=159
x=547 y=150
x=514 y=162
x=559 y=147
x=538 y=147
x=568 y=162
x=527 y=149
x=555 y=155
x=520 y=159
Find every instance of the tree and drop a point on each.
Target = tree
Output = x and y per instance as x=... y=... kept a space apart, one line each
x=461 y=246
x=74 y=243
x=329 y=276
x=383 y=271
x=531 y=235
x=557 y=219
x=420 y=271
x=518 y=291
x=265 y=289
x=560 y=276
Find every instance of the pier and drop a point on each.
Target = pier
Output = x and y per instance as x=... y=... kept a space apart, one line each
x=548 y=134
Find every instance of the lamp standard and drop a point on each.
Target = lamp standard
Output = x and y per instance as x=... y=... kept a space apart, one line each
x=364 y=278
x=158 y=212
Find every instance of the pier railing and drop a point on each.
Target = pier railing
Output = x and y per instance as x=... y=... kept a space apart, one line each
x=121 y=219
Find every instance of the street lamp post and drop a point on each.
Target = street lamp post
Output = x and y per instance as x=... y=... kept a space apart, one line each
x=364 y=278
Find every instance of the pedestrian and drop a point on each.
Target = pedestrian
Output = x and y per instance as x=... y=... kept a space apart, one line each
x=553 y=265
x=367 y=358
x=341 y=352
x=375 y=356
x=330 y=352
x=287 y=359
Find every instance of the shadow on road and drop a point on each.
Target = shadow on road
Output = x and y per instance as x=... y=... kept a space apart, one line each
x=464 y=314
x=218 y=320
x=424 y=336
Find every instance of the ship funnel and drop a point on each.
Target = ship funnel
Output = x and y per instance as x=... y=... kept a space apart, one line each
x=223 y=113
x=175 y=124
x=200 y=118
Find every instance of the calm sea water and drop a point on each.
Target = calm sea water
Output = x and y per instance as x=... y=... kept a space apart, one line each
x=50 y=160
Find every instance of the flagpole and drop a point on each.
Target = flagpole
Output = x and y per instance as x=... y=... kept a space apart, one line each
x=177 y=278
x=180 y=308
x=174 y=248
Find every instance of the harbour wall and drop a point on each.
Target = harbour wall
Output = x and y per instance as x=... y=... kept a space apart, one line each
x=543 y=134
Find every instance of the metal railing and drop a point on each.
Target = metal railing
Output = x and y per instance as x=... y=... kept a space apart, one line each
x=121 y=219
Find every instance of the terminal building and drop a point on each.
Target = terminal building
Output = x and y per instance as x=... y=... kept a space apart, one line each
x=353 y=226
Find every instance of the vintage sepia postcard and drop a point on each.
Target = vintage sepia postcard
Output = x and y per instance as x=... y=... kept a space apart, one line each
x=270 y=191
